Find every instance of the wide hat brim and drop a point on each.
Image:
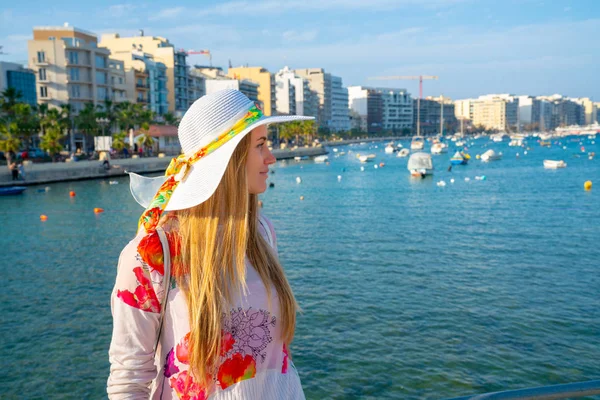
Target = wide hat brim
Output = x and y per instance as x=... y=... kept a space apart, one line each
x=204 y=176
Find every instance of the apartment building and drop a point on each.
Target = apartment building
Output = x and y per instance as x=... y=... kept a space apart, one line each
x=267 y=93
x=70 y=66
x=158 y=50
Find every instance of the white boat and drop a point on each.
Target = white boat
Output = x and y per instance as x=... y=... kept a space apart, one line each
x=420 y=165
x=545 y=136
x=490 y=155
x=366 y=158
x=497 y=138
x=321 y=159
x=418 y=143
x=517 y=142
x=439 y=148
x=460 y=143
x=552 y=164
x=403 y=153
x=389 y=149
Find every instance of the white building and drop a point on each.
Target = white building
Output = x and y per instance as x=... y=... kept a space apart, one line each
x=381 y=109
x=340 y=117
x=285 y=92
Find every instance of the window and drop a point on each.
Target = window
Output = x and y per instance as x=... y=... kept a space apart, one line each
x=75 y=91
x=102 y=94
x=112 y=80
x=42 y=74
x=41 y=56
x=100 y=62
x=120 y=81
x=74 y=74
x=43 y=91
x=73 y=57
x=100 y=78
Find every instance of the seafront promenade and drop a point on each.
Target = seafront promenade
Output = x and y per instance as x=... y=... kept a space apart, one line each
x=42 y=173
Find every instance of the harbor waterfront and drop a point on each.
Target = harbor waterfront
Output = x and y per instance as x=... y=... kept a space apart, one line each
x=36 y=174
x=409 y=289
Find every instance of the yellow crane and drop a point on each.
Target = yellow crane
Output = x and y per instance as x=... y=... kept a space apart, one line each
x=420 y=78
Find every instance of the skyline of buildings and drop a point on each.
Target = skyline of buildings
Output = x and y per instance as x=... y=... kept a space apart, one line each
x=69 y=65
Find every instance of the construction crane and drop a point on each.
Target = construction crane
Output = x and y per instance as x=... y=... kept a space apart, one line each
x=203 y=52
x=420 y=78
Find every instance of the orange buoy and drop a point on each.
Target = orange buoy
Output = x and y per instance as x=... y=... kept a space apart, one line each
x=98 y=210
x=72 y=193
x=43 y=217
x=382 y=164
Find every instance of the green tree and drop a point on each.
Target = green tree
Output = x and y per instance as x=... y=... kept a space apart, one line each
x=51 y=140
x=9 y=139
x=86 y=120
x=8 y=99
x=118 y=142
x=170 y=119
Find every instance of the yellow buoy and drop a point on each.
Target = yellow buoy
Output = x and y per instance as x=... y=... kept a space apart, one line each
x=587 y=185
x=98 y=210
x=43 y=217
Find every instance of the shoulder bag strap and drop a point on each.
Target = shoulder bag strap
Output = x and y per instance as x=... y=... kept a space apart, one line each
x=166 y=282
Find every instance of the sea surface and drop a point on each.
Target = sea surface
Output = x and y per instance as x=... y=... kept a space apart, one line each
x=409 y=289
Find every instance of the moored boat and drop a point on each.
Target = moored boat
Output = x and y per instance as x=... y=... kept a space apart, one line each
x=459 y=158
x=403 y=153
x=366 y=157
x=490 y=155
x=418 y=143
x=11 y=190
x=554 y=164
x=420 y=165
x=321 y=159
x=439 y=148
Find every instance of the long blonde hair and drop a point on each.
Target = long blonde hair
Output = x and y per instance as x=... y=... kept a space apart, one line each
x=216 y=236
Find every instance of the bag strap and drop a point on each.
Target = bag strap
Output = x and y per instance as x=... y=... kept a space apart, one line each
x=267 y=229
x=166 y=282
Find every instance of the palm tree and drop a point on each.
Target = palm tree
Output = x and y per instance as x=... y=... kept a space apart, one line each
x=170 y=119
x=118 y=142
x=8 y=99
x=51 y=140
x=27 y=122
x=9 y=139
x=285 y=133
x=86 y=119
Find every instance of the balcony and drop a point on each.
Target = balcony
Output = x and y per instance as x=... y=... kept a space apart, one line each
x=143 y=86
x=36 y=61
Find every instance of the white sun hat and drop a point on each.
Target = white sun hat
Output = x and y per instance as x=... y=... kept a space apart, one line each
x=208 y=133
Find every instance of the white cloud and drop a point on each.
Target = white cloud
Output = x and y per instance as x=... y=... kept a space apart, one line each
x=167 y=13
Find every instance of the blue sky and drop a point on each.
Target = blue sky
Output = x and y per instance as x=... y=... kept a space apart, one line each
x=536 y=47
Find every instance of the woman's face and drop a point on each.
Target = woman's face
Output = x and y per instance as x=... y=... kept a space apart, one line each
x=258 y=161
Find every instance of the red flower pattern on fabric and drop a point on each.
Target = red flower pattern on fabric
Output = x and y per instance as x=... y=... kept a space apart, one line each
x=150 y=249
x=175 y=251
x=150 y=218
x=284 y=367
x=143 y=297
x=227 y=342
x=236 y=369
x=186 y=388
x=182 y=350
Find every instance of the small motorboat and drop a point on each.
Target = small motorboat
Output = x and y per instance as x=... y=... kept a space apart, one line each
x=403 y=153
x=389 y=149
x=459 y=158
x=321 y=159
x=439 y=148
x=490 y=155
x=552 y=164
x=420 y=165
x=517 y=142
x=11 y=190
x=366 y=158
x=418 y=143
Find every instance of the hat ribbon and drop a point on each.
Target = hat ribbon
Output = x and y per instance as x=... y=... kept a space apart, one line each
x=180 y=166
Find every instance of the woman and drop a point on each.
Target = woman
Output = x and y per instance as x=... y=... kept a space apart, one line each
x=220 y=333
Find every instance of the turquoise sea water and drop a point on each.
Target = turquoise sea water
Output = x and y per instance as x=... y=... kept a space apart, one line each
x=408 y=289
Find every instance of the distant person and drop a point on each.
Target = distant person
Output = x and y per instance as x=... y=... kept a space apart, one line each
x=221 y=323
x=14 y=170
x=125 y=152
x=141 y=151
x=21 y=171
